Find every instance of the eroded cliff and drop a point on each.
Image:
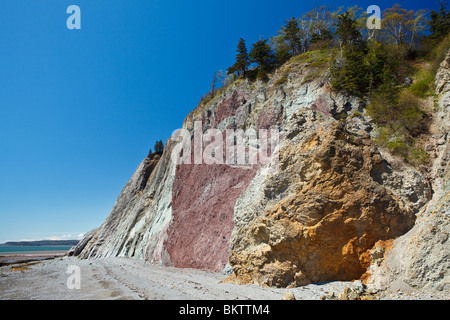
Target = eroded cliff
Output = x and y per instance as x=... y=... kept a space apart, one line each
x=320 y=214
x=420 y=258
x=315 y=212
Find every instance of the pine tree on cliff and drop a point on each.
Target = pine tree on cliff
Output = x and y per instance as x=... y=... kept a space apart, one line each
x=291 y=35
x=282 y=50
x=241 y=64
x=263 y=56
x=440 y=22
x=347 y=30
x=351 y=72
x=159 y=146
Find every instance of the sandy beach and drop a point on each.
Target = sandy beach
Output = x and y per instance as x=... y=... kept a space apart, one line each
x=129 y=279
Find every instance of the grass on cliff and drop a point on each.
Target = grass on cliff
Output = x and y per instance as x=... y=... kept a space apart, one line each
x=312 y=56
x=400 y=111
x=316 y=63
x=424 y=84
x=400 y=117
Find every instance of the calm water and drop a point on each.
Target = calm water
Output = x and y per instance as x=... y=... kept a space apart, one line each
x=31 y=249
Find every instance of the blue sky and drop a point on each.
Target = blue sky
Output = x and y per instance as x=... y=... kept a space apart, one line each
x=79 y=109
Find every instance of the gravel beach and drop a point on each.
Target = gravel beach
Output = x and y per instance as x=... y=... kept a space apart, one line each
x=129 y=279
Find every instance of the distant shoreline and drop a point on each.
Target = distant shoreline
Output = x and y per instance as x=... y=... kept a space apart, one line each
x=14 y=252
x=22 y=257
x=40 y=243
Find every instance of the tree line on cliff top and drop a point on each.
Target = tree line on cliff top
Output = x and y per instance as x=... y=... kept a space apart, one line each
x=373 y=64
x=412 y=33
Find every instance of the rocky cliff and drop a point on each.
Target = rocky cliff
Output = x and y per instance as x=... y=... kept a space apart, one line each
x=316 y=210
x=420 y=258
x=317 y=219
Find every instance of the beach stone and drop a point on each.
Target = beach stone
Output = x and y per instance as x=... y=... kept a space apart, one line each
x=358 y=287
x=288 y=296
x=349 y=294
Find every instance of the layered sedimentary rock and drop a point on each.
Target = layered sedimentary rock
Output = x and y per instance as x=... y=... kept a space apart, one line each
x=137 y=225
x=317 y=211
x=183 y=214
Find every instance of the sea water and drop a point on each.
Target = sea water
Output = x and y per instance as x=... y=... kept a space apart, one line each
x=14 y=250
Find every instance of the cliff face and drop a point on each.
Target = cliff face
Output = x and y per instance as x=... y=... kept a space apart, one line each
x=314 y=211
x=321 y=214
x=138 y=222
x=420 y=258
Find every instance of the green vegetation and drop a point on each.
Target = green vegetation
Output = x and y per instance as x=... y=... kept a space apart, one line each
x=159 y=147
x=392 y=68
x=423 y=87
x=400 y=111
x=282 y=80
x=262 y=55
x=376 y=69
x=347 y=30
x=440 y=23
x=291 y=37
x=242 y=60
x=351 y=73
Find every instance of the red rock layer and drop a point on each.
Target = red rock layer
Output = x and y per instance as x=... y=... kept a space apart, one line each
x=203 y=209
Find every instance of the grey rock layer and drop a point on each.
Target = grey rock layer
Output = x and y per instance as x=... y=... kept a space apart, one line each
x=137 y=224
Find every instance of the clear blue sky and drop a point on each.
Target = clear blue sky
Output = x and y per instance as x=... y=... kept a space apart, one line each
x=79 y=109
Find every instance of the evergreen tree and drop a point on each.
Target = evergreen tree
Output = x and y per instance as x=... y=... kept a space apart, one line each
x=378 y=65
x=159 y=146
x=263 y=56
x=242 y=60
x=347 y=29
x=281 y=49
x=213 y=85
x=440 y=22
x=291 y=35
x=351 y=73
x=321 y=39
